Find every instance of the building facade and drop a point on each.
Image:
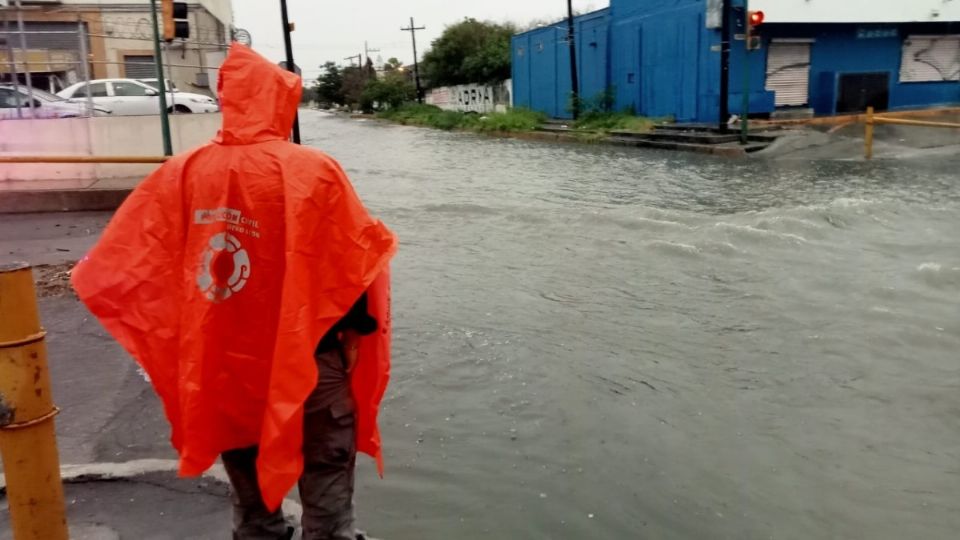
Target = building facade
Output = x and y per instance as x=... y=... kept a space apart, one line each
x=117 y=36
x=661 y=58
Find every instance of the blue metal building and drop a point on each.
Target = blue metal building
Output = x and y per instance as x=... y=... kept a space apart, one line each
x=660 y=58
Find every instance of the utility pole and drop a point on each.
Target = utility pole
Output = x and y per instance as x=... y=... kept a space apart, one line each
x=158 y=59
x=12 y=66
x=725 y=41
x=366 y=52
x=358 y=58
x=26 y=63
x=416 y=64
x=574 y=79
x=288 y=45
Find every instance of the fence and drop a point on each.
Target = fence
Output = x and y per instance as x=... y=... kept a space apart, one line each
x=872 y=119
x=47 y=54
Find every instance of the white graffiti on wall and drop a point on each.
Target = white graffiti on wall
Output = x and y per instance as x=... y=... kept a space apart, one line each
x=476 y=98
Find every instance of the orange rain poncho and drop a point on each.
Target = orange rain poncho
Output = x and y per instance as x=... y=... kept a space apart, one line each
x=225 y=267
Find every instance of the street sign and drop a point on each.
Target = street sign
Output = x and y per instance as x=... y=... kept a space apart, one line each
x=242 y=37
x=296 y=68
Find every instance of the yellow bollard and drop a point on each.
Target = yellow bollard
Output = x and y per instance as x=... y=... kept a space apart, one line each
x=868 y=138
x=28 y=442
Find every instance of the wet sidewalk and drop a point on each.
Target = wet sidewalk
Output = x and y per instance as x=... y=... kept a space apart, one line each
x=153 y=506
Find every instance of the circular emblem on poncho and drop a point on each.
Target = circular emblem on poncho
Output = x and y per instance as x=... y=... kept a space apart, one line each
x=224 y=268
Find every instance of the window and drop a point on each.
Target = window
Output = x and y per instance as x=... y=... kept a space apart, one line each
x=129 y=89
x=930 y=59
x=8 y=100
x=96 y=90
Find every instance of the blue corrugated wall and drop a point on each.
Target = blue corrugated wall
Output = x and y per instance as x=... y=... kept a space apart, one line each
x=541 y=64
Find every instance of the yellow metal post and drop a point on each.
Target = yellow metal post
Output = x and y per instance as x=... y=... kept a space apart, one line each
x=868 y=138
x=28 y=442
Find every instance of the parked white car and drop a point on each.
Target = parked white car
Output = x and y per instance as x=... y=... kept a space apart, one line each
x=155 y=83
x=45 y=104
x=130 y=97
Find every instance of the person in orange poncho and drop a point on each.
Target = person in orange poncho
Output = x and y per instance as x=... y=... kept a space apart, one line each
x=251 y=284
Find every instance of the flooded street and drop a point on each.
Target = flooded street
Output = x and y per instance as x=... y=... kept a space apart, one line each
x=603 y=343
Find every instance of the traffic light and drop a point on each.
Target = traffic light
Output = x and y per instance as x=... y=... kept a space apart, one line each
x=175 y=24
x=754 y=20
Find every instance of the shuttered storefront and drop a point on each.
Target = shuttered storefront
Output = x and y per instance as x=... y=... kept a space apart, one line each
x=930 y=59
x=788 y=72
x=139 y=67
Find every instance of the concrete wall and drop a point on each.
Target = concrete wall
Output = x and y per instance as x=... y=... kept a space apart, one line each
x=122 y=135
x=478 y=98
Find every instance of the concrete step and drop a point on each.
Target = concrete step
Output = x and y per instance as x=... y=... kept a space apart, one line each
x=791 y=114
x=726 y=149
x=698 y=137
x=708 y=128
x=554 y=128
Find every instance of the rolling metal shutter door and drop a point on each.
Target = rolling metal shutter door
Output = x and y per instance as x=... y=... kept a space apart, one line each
x=788 y=72
x=139 y=67
x=930 y=58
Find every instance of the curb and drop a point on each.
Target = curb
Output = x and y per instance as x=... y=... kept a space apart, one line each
x=61 y=200
x=129 y=470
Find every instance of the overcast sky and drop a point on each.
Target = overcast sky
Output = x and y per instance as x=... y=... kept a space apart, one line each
x=336 y=29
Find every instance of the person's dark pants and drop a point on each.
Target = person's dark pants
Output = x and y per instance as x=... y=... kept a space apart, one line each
x=329 y=452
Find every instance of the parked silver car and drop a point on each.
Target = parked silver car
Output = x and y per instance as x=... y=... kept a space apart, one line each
x=45 y=104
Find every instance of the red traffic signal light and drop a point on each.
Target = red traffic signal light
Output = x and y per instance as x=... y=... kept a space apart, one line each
x=755 y=18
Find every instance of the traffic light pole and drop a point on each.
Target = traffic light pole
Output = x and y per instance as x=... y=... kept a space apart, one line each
x=725 y=43
x=287 y=43
x=158 y=59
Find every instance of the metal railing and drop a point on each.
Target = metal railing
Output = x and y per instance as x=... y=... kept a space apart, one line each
x=872 y=119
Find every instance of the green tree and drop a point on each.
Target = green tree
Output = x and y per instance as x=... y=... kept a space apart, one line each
x=470 y=51
x=390 y=92
x=329 y=88
x=393 y=64
x=354 y=81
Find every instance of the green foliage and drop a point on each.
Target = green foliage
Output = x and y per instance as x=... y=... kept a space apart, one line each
x=390 y=92
x=513 y=120
x=468 y=52
x=329 y=88
x=393 y=64
x=354 y=81
x=608 y=121
x=614 y=121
